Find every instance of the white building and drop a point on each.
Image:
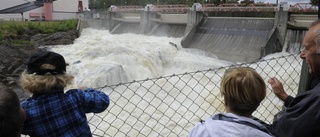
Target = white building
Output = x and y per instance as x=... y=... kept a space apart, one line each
x=42 y=9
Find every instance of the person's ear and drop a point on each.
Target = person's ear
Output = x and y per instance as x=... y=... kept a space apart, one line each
x=227 y=109
x=225 y=101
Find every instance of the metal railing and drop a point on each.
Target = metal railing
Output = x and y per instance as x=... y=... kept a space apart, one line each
x=170 y=106
x=253 y=7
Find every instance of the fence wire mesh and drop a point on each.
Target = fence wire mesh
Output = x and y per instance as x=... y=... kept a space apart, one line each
x=170 y=106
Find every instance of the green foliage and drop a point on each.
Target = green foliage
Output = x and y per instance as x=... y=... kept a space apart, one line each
x=19 y=33
x=19 y=29
x=34 y=26
x=17 y=42
x=1 y=35
x=314 y=2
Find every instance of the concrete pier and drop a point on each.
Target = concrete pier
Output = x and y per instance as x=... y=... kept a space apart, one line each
x=262 y=36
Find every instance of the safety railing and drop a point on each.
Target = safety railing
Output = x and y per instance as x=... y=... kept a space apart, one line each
x=170 y=106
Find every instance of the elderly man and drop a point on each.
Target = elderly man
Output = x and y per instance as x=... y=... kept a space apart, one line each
x=302 y=116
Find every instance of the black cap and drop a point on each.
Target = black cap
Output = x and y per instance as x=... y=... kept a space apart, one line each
x=46 y=62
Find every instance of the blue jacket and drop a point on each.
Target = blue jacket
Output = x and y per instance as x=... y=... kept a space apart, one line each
x=230 y=125
x=59 y=114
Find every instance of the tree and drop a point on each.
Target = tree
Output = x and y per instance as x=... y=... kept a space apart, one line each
x=316 y=2
x=247 y=2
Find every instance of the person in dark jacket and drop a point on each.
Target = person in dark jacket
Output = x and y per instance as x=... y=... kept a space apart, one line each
x=11 y=114
x=49 y=110
x=302 y=115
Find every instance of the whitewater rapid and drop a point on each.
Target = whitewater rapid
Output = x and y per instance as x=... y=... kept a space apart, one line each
x=121 y=58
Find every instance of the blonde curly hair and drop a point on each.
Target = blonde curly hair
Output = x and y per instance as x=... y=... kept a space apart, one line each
x=37 y=84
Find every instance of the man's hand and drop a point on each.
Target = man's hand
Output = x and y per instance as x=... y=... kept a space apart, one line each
x=277 y=88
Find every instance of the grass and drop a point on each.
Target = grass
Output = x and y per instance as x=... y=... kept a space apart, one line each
x=19 y=33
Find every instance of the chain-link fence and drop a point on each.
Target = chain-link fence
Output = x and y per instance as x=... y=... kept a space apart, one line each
x=170 y=106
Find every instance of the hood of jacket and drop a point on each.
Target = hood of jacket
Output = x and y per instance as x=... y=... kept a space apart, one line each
x=220 y=125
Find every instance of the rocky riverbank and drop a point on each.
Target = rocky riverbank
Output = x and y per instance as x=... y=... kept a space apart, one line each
x=13 y=59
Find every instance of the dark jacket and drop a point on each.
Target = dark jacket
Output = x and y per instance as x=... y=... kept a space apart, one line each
x=302 y=116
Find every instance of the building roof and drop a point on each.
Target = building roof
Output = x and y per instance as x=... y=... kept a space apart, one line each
x=23 y=7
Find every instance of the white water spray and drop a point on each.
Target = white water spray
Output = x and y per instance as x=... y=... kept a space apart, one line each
x=98 y=58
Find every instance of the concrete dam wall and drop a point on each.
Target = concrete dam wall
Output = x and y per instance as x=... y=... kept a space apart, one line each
x=233 y=39
x=229 y=38
x=146 y=23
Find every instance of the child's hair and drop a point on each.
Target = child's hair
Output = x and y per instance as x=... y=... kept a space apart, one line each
x=37 y=84
x=10 y=113
x=243 y=89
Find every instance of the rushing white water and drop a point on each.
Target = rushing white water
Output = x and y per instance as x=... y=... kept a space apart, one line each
x=112 y=59
x=97 y=59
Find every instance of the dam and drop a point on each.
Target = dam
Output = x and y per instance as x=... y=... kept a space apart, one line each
x=170 y=106
x=232 y=38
